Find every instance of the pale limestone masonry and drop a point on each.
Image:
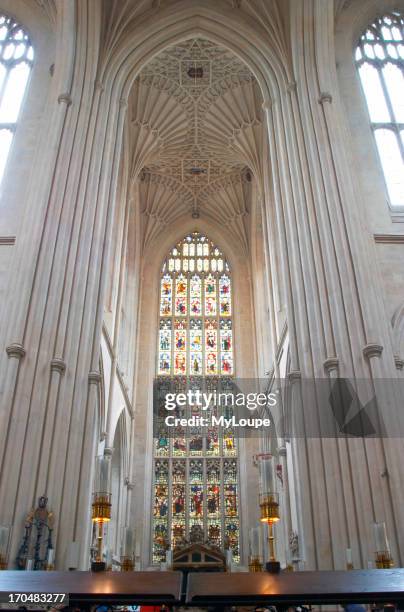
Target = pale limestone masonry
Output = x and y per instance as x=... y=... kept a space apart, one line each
x=95 y=194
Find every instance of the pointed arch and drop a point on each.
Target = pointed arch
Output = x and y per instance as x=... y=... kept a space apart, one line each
x=196 y=482
x=379 y=59
x=16 y=61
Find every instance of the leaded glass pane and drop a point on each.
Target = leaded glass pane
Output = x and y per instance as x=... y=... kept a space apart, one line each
x=380 y=61
x=195 y=477
x=16 y=55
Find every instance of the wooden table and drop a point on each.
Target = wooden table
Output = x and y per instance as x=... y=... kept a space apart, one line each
x=87 y=588
x=293 y=588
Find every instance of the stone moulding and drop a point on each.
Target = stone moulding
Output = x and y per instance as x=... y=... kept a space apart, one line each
x=399 y=362
x=331 y=363
x=267 y=104
x=65 y=98
x=16 y=350
x=372 y=350
x=94 y=378
x=325 y=96
x=58 y=365
x=7 y=240
x=294 y=375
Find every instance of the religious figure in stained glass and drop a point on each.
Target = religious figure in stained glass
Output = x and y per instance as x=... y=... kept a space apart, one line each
x=195 y=475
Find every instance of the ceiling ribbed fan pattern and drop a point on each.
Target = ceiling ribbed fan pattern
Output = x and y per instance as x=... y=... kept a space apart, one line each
x=195 y=121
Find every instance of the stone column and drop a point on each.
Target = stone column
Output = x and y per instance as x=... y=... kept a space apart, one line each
x=334 y=305
x=52 y=331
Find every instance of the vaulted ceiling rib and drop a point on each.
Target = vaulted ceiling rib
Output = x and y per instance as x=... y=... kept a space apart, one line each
x=195 y=121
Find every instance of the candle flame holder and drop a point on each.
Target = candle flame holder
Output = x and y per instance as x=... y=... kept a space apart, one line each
x=254 y=564
x=269 y=506
x=3 y=562
x=101 y=514
x=101 y=507
x=383 y=557
x=127 y=564
x=384 y=560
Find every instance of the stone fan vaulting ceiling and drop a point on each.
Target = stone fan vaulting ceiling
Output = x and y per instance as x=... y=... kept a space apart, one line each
x=195 y=122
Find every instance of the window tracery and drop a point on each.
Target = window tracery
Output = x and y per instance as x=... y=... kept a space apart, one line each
x=379 y=58
x=16 y=59
x=195 y=475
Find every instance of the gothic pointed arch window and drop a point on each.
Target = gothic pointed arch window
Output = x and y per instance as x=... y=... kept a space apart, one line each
x=196 y=475
x=16 y=58
x=379 y=58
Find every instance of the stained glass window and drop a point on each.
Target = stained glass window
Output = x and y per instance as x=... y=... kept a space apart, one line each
x=16 y=58
x=380 y=61
x=195 y=476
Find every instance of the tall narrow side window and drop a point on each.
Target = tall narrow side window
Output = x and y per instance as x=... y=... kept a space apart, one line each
x=16 y=58
x=380 y=61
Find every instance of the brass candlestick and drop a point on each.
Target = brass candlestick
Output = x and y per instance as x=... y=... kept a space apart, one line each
x=348 y=558
x=128 y=550
x=383 y=557
x=5 y=532
x=255 y=556
x=101 y=508
x=101 y=514
x=127 y=564
x=3 y=562
x=384 y=560
x=254 y=564
x=269 y=507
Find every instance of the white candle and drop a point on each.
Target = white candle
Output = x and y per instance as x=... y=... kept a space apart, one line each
x=381 y=541
x=29 y=565
x=348 y=555
x=265 y=474
x=108 y=558
x=4 y=533
x=255 y=542
x=73 y=555
x=128 y=542
x=51 y=556
x=104 y=469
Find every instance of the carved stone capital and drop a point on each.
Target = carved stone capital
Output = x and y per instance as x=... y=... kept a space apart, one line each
x=330 y=364
x=108 y=451
x=65 y=98
x=58 y=365
x=94 y=378
x=16 y=350
x=399 y=362
x=294 y=375
x=282 y=451
x=267 y=104
x=130 y=485
x=372 y=350
x=325 y=96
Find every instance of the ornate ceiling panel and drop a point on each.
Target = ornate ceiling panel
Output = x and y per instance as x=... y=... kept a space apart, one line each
x=122 y=16
x=195 y=121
